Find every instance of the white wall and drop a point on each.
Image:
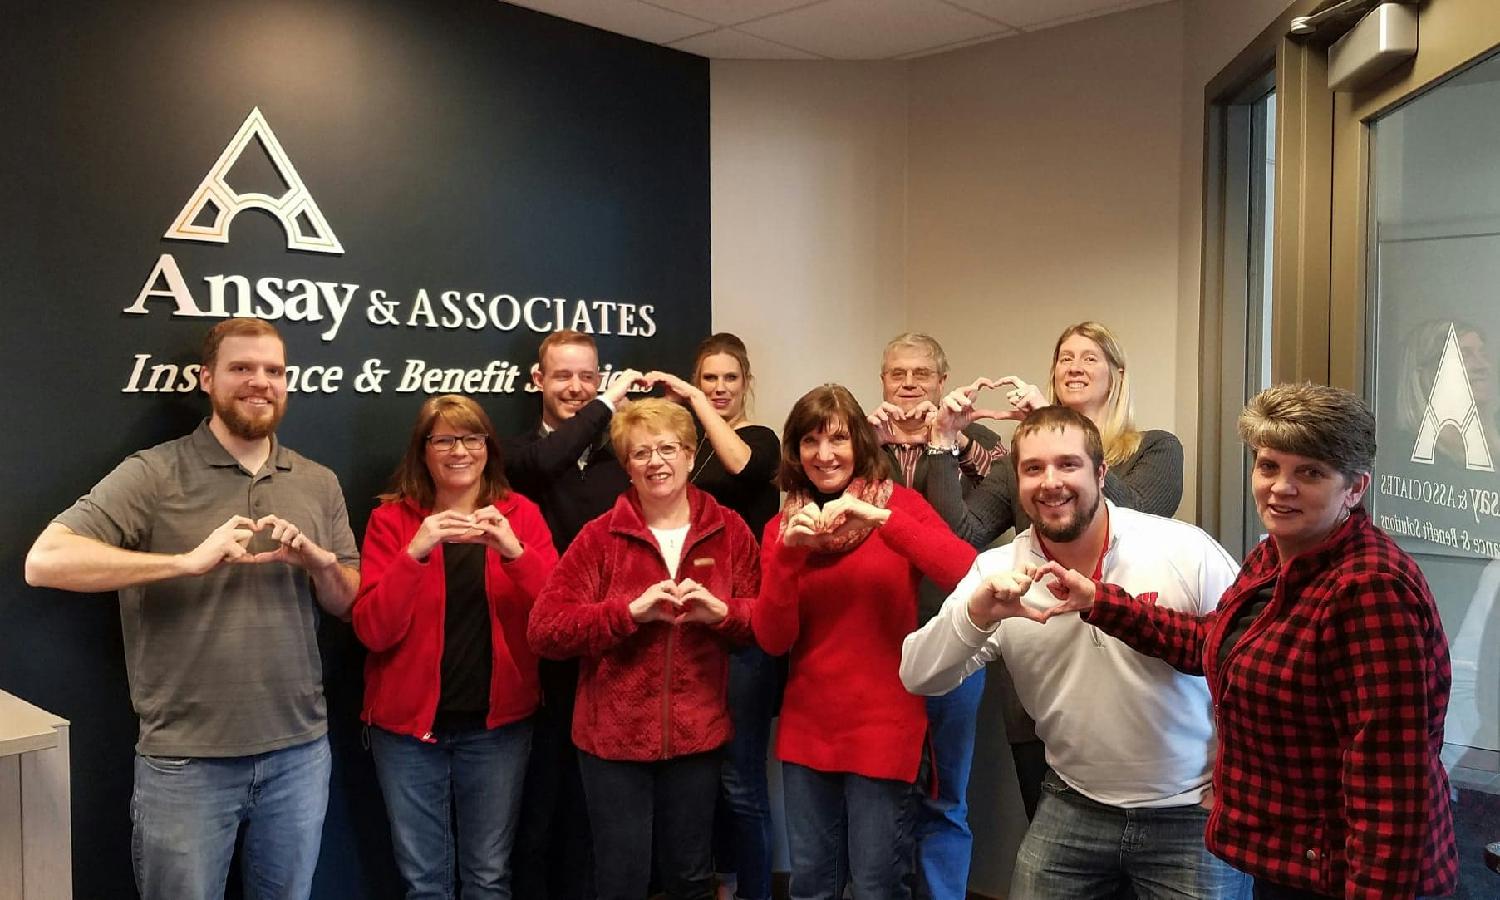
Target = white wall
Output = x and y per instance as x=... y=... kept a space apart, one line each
x=1043 y=191
x=809 y=221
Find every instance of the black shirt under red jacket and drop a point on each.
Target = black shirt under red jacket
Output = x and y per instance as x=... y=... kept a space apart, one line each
x=1330 y=716
x=398 y=615
x=655 y=690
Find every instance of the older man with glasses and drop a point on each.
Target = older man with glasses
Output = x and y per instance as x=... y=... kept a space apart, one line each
x=913 y=371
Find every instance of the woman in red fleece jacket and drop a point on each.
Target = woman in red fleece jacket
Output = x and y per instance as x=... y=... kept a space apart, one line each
x=840 y=568
x=651 y=595
x=453 y=560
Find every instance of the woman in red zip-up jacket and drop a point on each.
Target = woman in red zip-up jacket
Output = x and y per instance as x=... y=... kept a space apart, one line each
x=651 y=595
x=839 y=591
x=1328 y=667
x=453 y=560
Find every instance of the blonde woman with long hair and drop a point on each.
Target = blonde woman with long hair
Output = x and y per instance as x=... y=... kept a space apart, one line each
x=1089 y=375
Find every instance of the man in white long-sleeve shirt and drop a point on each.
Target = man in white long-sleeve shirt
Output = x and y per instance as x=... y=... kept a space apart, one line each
x=1129 y=739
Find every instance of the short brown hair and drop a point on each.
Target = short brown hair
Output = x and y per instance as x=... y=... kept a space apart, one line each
x=1058 y=418
x=823 y=408
x=558 y=339
x=239 y=326
x=656 y=414
x=1325 y=423
x=412 y=480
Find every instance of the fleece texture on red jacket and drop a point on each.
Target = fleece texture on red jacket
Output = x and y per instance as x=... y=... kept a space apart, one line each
x=398 y=615
x=1330 y=715
x=647 y=691
x=843 y=617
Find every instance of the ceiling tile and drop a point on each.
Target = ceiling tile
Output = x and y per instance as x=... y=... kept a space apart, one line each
x=727 y=43
x=631 y=18
x=944 y=48
x=731 y=12
x=1033 y=14
x=872 y=29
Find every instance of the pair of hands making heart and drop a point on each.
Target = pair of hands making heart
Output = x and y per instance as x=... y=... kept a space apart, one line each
x=1000 y=596
x=803 y=528
x=939 y=424
x=676 y=388
x=678 y=603
x=485 y=526
x=230 y=543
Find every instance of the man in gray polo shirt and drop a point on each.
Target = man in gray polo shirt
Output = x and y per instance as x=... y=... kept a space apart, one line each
x=218 y=543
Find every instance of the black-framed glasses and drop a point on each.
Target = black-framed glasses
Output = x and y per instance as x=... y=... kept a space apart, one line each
x=445 y=443
x=667 y=452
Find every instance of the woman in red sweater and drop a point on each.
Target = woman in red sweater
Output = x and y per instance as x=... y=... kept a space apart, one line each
x=453 y=560
x=651 y=596
x=840 y=568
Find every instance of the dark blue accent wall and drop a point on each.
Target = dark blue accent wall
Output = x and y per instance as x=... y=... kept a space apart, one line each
x=452 y=145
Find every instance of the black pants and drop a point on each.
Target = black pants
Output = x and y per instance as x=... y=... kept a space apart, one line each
x=641 y=808
x=553 y=856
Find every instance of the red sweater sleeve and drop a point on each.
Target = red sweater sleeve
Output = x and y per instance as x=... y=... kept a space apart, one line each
x=917 y=532
x=571 y=616
x=389 y=581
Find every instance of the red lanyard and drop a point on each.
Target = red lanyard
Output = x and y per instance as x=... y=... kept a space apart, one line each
x=1103 y=552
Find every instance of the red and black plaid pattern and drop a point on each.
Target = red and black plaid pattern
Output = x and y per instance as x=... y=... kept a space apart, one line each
x=1330 y=716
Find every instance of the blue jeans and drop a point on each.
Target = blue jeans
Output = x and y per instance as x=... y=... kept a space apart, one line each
x=1077 y=848
x=944 y=841
x=665 y=807
x=472 y=778
x=743 y=838
x=186 y=812
x=829 y=813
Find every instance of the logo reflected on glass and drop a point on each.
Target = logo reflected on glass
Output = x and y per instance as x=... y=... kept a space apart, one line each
x=1451 y=404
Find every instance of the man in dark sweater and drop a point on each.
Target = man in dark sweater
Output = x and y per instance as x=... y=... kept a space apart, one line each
x=567 y=467
x=912 y=374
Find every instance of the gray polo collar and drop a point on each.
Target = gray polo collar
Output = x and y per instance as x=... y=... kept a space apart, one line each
x=214 y=454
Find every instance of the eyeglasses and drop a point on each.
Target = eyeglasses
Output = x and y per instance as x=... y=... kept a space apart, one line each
x=667 y=452
x=446 y=443
x=900 y=375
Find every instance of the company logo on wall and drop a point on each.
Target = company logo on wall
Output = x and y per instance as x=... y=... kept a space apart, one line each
x=333 y=301
x=296 y=210
x=1451 y=403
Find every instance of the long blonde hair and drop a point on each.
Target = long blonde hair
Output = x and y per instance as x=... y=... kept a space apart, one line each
x=1117 y=420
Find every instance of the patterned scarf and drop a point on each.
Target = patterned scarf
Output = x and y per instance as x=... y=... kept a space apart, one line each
x=845 y=533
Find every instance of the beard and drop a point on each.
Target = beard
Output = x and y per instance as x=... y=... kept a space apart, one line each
x=246 y=427
x=1071 y=528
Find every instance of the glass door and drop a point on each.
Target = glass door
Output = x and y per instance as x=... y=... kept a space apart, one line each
x=1415 y=325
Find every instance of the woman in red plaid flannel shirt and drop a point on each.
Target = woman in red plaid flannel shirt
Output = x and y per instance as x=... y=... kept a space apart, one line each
x=1328 y=668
